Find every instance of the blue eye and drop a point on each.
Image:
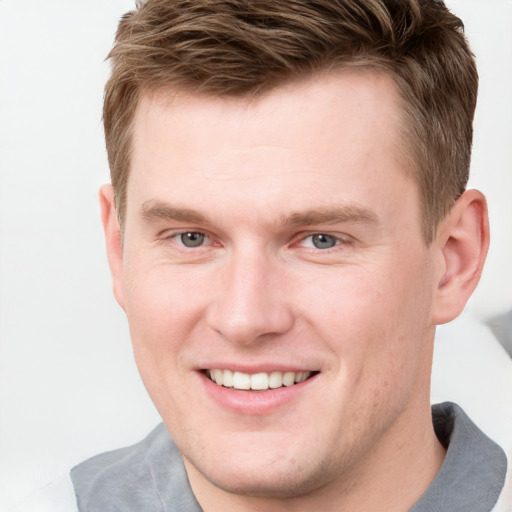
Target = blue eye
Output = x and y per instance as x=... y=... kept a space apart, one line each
x=323 y=241
x=192 y=239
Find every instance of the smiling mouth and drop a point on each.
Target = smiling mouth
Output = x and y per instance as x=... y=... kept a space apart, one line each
x=257 y=381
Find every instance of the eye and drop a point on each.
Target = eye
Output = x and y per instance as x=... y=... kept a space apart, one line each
x=192 y=238
x=321 y=241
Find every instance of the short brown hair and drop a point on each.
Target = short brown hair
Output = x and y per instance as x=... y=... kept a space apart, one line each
x=246 y=47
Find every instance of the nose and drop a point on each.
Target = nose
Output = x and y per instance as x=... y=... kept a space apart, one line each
x=250 y=303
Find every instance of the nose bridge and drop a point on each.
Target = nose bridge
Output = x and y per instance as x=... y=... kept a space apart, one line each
x=250 y=302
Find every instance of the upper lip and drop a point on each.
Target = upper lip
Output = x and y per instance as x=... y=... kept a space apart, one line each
x=259 y=368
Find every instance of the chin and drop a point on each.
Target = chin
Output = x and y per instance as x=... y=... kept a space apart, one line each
x=283 y=479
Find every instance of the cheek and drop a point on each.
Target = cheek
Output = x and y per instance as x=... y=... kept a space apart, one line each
x=164 y=308
x=163 y=315
x=375 y=318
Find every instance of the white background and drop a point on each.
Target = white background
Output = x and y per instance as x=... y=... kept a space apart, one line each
x=68 y=385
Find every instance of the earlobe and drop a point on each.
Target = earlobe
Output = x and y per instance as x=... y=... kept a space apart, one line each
x=463 y=241
x=113 y=240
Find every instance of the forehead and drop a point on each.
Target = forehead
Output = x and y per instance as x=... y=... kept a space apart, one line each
x=354 y=97
x=332 y=128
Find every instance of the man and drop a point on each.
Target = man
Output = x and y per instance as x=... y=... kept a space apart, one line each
x=287 y=223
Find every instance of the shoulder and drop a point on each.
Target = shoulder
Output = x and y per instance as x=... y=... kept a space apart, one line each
x=114 y=464
x=504 y=503
x=138 y=477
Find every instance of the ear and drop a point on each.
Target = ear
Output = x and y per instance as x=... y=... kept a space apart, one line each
x=113 y=240
x=463 y=241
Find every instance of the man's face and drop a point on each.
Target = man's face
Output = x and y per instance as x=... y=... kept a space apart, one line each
x=271 y=240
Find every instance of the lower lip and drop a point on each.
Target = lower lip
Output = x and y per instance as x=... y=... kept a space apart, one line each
x=255 y=402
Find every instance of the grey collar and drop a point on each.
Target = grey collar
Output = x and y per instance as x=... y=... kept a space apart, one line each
x=473 y=472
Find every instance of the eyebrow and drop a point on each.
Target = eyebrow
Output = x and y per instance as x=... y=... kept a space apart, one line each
x=347 y=213
x=154 y=210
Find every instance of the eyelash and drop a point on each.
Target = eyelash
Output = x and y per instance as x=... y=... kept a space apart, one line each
x=179 y=234
x=338 y=240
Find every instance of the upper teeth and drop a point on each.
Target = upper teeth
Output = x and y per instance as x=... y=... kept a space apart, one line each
x=256 y=381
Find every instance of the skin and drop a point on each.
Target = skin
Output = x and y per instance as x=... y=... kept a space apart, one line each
x=259 y=178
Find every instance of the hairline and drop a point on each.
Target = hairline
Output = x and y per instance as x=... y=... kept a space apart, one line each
x=407 y=152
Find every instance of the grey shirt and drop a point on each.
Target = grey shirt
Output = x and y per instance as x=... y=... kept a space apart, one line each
x=150 y=476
